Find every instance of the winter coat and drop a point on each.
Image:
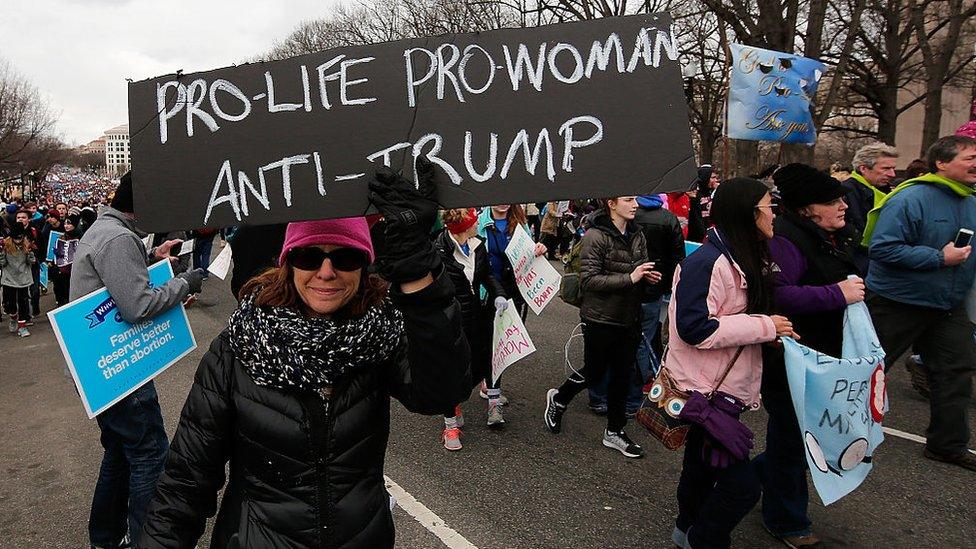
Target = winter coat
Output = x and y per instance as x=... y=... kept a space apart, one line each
x=15 y=267
x=665 y=246
x=469 y=275
x=810 y=263
x=906 y=247
x=708 y=323
x=112 y=255
x=607 y=257
x=860 y=200
x=306 y=468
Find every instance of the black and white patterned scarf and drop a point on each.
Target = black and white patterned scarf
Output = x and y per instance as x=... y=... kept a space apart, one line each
x=283 y=348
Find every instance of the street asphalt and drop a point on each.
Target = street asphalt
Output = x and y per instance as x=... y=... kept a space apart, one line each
x=516 y=487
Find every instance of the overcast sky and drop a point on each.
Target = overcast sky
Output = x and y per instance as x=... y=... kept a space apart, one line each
x=78 y=53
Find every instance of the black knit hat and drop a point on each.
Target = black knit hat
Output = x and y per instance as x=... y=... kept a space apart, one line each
x=17 y=230
x=801 y=185
x=122 y=201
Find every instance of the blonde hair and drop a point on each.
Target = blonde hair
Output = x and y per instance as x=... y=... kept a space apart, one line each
x=11 y=247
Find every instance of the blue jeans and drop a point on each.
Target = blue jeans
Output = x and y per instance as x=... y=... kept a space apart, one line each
x=782 y=469
x=135 y=446
x=201 y=251
x=647 y=362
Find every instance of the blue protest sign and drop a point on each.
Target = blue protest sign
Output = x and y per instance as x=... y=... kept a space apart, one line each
x=839 y=403
x=108 y=357
x=43 y=278
x=770 y=93
x=691 y=247
x=52 y=244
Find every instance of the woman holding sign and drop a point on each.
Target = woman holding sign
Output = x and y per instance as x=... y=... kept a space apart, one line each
x=719 y=318
x=613 y=272
x=466 y=264
x=295 y=394
x=818 y=276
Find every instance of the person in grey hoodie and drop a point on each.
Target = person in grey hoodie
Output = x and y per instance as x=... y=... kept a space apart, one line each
x=111 y=255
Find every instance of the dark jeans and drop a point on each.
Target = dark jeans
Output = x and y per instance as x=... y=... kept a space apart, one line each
x=712 y=502
x=605 y=347
x=15 y=302
x=782 y=469
x=135 y=446
x=945 y=341
x=62 y=285
x=647 y=362
x=201 y=251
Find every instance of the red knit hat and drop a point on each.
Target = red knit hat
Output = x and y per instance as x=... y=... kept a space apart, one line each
x=351 y=232
x=466 y=222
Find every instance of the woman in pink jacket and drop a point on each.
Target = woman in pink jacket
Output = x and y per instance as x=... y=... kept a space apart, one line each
x=719 y=316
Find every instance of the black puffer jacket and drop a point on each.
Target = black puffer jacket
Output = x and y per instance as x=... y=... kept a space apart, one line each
x=665 y=246
x=476 y=315
x=306 y=469
x=607 y=258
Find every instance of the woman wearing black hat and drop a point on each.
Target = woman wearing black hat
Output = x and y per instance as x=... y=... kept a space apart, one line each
x=814 y=250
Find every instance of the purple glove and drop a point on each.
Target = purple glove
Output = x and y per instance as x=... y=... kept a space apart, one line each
x=720 y=417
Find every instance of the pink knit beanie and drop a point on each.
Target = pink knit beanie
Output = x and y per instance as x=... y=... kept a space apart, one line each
x=351 y=232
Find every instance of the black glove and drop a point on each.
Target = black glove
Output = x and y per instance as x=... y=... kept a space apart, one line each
x=405 y=252
x=195 y=279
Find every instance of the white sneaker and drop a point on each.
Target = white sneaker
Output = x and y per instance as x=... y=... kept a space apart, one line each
x=622 y=443
x=495 y=417
x=452 y=439
x=23 y=331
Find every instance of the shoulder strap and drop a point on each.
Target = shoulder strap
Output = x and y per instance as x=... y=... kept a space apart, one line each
x=728 y=368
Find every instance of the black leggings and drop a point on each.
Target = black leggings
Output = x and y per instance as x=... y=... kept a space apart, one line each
x=605 y=347
x=16 y=301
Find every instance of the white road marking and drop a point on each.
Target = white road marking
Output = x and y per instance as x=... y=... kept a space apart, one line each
x=433 y=523
x=907 y=436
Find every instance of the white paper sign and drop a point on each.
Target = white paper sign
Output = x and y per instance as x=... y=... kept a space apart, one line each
x=187 y=247
x=510 y=341
x=537 y=280
x=221 y=263
x=147 y=241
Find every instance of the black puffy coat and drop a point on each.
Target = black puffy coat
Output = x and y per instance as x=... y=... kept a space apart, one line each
x=476 y=315
x=665 y=246
x=306 y=468
x=607 y=258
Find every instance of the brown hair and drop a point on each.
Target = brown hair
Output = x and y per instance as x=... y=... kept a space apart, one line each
x=454 y=216
x=276 y=288
x=11 y=248
x=515 y=216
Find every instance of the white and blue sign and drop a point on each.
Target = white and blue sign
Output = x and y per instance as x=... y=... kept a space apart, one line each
x=770 y=94
x=840 y=403
x=110 y=358
x=52 y=245
x=43 y=278
x=690 y=247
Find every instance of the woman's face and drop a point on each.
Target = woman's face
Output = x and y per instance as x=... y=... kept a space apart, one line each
x=500 y=211
x=624 y=206
x=326 y=290
x=765 y=216
x=829 y=216
x=68 y=227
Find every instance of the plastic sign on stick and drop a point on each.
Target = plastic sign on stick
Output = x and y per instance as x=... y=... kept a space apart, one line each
x=537 y=280
x=110 y=358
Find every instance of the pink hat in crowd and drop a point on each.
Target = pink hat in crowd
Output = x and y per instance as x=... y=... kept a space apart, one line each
x=351 y=232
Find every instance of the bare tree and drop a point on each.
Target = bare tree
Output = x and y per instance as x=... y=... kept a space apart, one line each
x=938 y=28
x=25 y=119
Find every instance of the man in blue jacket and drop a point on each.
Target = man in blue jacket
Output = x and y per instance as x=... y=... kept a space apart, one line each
x=920 y=279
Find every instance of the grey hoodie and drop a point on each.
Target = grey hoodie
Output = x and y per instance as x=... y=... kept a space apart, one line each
x=111 y=255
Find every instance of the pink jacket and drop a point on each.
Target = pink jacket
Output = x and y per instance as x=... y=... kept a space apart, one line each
x=707 y=325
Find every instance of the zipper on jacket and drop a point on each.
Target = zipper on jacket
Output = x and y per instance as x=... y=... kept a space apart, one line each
x=320 y=430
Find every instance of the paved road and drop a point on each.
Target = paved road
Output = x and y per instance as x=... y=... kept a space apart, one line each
x=520 y=487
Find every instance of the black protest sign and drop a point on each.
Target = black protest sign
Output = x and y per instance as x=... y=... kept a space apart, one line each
x=574 y=110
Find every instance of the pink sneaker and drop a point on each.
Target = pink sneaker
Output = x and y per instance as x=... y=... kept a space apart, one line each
x=452 y=439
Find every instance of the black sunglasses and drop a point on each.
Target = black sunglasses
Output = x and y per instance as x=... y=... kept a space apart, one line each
x=311 y=258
